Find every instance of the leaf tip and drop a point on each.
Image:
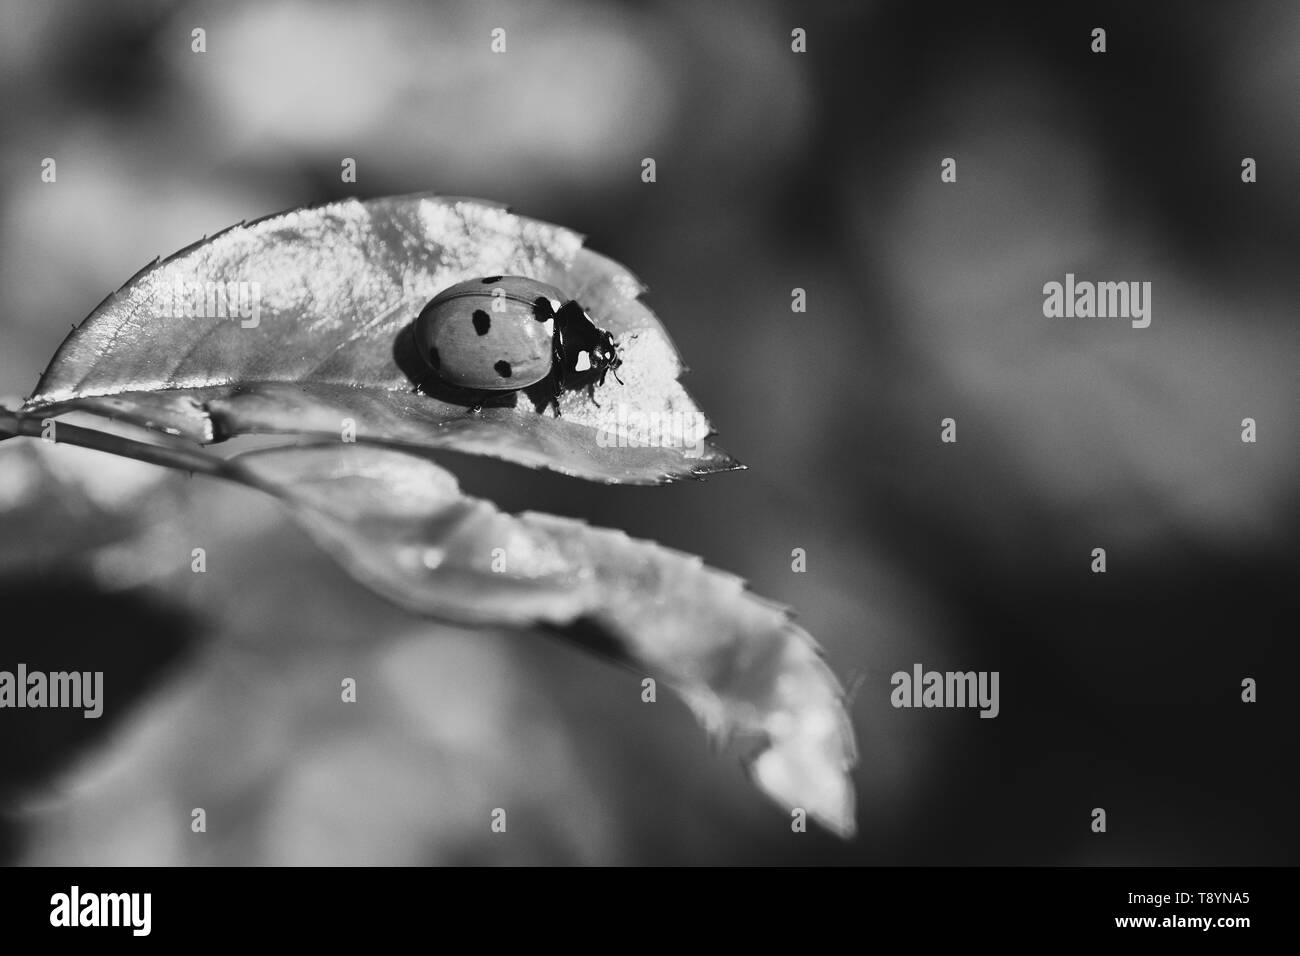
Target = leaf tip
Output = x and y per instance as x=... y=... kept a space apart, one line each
x=807 y=767
x=810 y=749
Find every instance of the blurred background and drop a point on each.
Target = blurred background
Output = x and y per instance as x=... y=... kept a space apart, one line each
x=775 y=170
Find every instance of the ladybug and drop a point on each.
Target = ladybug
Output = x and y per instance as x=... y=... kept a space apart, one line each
x=503 y=334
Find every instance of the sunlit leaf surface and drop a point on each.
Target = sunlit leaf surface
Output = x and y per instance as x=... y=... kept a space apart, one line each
x=304 y=328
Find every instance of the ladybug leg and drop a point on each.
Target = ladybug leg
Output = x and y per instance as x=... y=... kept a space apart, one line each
x=555 y=396
x=591 y=394
x=557 y=370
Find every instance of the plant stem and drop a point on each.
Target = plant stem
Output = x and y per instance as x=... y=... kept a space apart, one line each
x=169 y=456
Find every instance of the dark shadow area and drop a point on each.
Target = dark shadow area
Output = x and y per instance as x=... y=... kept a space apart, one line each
x=61 y=626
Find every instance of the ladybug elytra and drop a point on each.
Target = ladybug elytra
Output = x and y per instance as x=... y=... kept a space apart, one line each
x=507 y=333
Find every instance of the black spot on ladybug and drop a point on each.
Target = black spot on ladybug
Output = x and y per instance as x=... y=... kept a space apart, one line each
x=434 y=360
x=503 y=369
x=490 y=279
x=482 y=322
x=542 y=309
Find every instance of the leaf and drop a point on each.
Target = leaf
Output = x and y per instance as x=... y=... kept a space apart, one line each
x=324 y=336
x=399 y=524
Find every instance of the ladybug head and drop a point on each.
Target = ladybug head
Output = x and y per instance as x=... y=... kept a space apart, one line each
x=604 y=357
x=588 y=351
